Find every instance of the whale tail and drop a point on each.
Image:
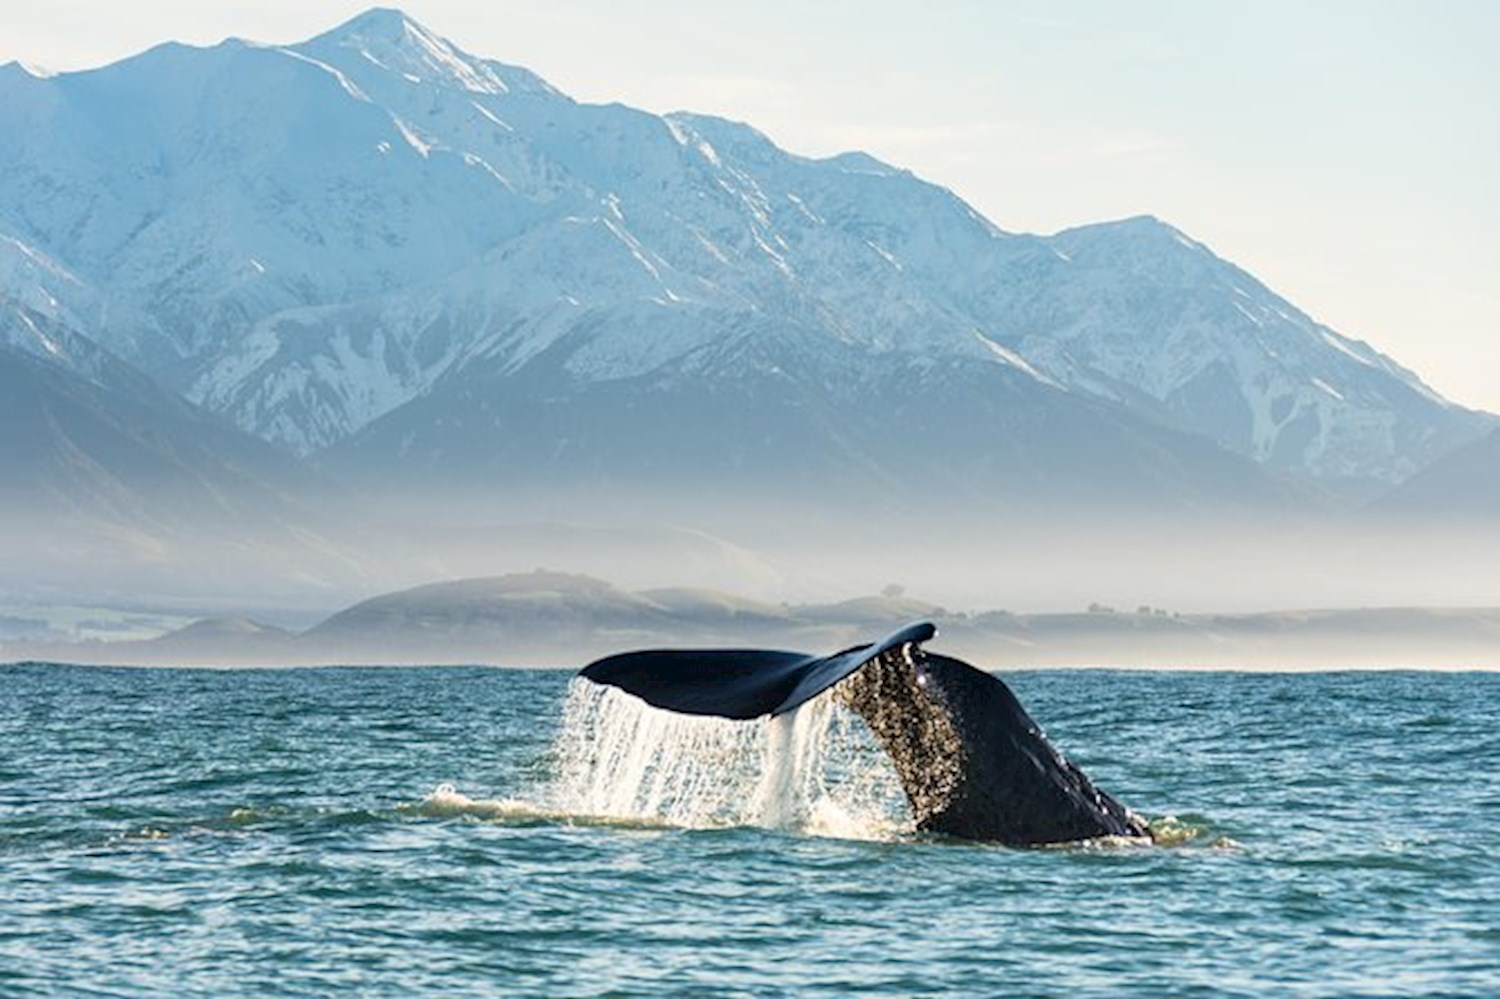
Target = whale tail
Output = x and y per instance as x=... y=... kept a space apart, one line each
x=972 y=762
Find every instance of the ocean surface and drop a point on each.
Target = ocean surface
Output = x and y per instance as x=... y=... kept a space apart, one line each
x=494 y=831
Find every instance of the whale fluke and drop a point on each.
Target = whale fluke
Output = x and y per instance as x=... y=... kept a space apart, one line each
x=972 y=762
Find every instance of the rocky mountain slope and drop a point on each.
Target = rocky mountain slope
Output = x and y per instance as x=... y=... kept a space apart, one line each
x=1462 y=489
x=108 y=476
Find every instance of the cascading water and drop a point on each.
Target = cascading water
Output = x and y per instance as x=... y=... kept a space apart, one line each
x=815 y=770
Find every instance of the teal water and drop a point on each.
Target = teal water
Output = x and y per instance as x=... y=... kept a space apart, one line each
x=184 y=832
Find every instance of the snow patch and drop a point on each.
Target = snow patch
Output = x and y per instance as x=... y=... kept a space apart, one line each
x=440 y=55
x=709 y=245
x=1248 y=314
x=1320 y=383
x=687 y=138
x=708 y=152
x=1343 y=348
x=1012 y=359
x=48 y=344
x=770 y=251
x=884 y=255
x=486 y=112
x=343 y=81
x=479 y=161
x=633 y=245
x=811 y=215
x=412 y=138
x=46 y=264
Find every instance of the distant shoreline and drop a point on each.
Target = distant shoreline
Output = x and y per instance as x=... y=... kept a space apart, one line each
x=559 y=620
x=568 y=668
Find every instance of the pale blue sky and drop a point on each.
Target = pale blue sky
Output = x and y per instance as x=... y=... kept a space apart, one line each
x=1343 y=151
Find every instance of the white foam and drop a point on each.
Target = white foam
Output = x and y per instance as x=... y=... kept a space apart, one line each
x=816 y=770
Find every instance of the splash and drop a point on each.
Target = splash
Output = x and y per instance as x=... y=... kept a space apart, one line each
x=1169 y=830
x=447 y=800
x=815 y=770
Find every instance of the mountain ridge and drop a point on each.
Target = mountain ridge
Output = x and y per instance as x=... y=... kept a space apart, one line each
x=352 y=244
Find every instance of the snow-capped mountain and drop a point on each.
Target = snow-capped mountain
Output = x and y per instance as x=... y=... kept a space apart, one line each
x=377 y=247
x=1137 y=312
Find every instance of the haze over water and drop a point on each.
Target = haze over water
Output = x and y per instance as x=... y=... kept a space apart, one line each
x=286 y=832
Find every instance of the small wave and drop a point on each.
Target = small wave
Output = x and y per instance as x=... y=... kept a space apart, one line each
x=254 y=815
x=243 y=820
x=145 y=834
x=1174 y=831
x=446 y=801
x=1169 y=830
x=1431 y=721
x=825 y=817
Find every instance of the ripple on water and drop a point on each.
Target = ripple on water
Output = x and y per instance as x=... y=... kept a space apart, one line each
x=408 y=831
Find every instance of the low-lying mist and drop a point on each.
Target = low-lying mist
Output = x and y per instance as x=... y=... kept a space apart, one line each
x=771 y=548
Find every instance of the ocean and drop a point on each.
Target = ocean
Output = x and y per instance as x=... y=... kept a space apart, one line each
x=467 y=831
